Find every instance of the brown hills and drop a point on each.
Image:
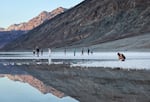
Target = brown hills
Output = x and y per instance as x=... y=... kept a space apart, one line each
x=89 y=23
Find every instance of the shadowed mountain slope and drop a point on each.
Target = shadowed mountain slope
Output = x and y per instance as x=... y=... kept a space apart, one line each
x=16 y=30
x=8 y=36
x=89 y=23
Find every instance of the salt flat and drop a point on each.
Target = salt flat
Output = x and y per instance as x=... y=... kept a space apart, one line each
x=134 y=60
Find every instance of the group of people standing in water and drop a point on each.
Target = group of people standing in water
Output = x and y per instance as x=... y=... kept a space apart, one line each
x=37 y=52
x=82 y=51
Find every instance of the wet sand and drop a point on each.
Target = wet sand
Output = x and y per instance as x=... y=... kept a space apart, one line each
x=95 y=84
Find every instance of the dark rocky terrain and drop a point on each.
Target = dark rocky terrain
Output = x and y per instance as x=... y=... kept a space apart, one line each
x=8 y=36
x=89 y=23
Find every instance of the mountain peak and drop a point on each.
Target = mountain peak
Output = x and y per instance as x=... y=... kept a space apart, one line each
x=43 y=13
x=60 y=9
x=36 y=21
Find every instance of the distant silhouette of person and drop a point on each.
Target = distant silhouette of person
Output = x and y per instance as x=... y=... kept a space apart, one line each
x=74 y=52
x=91 y=51
x=82 y=51
x=37 y=51
x=34 y=52
x=49 y=52
x=41 y=52
x=121 y=57
x=88 y=51
x=65 y=51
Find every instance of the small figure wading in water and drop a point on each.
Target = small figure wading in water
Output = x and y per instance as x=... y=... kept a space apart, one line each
x=82 y=51
x=74 y=52
x=41 y=52
x=65 y=51
x=88 y=51
x=34 y=52
x=49 y=52
x=121 y=57
x=37 y=51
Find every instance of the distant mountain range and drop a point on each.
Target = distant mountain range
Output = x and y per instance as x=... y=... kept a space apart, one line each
x=16 y=30
x=34 y=22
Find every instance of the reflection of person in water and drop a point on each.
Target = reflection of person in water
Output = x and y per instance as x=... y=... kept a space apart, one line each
x=121 y=57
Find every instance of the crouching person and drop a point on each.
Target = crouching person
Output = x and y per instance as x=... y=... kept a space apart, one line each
x=121 y=56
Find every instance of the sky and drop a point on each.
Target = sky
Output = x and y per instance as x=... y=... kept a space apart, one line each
x=18 y=11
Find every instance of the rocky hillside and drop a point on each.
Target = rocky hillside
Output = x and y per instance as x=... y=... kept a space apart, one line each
x=36 y=21
x=89 y=23
x=8 y=36
x=16 y=30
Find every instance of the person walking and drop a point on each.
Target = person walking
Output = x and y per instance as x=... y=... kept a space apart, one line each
x=91 y=50
x=88 y=51
x=41 y=52
x=82 y=51
x=34 y=52
x=65 y=51
x=74 y=52
x=49 y=56
x=49 y=52
x=37 y=51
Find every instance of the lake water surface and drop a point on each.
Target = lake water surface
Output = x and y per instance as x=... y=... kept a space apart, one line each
x=15 y=91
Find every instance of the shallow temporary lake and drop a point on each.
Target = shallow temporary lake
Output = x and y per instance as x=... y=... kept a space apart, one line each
x=16 y=91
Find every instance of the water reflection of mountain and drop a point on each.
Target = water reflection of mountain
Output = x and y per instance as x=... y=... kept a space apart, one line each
x=16 y=74
x=35 y=83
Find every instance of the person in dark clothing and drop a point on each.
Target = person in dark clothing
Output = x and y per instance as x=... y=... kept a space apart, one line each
x=74 y=52
x=41 y=52
x=82 y=51
x=34 y=52
x=65 y=51
x=37 y=51
x=91 y=51
x=121 y=57
x=88 y=51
